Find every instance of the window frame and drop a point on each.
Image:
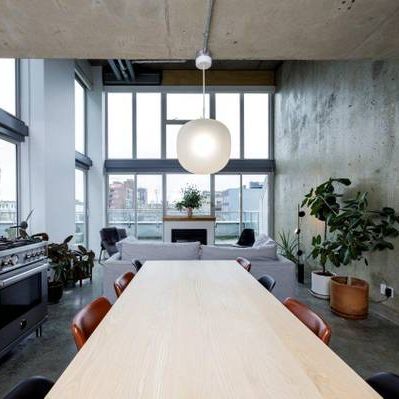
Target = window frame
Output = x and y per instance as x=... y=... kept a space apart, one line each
x=17 y=175
x=163 y=165
x=85 y=88
x=211 y=90
x=86 y=208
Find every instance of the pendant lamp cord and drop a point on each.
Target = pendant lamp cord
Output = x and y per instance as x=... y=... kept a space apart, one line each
x=203 y=93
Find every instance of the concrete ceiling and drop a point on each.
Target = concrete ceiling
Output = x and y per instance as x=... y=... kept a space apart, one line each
x=172 y=29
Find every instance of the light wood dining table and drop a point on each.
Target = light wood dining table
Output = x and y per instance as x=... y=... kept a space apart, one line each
x=204 y=329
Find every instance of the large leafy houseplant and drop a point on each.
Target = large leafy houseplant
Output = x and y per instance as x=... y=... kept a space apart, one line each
x=323 y=204
x=191 y=199
x=356 y=230
x=351 y=229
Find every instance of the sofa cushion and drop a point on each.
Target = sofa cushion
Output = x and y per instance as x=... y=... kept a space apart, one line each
x=263 y=253
x=126 y=240
x=263 y=239
x=143 y=251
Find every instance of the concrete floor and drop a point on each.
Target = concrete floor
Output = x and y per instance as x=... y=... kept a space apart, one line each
x=368 y=346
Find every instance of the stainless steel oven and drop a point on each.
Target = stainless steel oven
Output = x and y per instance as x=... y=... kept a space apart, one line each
x=23 y=302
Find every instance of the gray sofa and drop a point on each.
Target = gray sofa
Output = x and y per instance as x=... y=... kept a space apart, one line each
x=264 y=260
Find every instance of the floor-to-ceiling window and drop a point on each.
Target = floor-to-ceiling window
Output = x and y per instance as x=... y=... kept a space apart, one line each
x=8 y=91
x=8 y=148
x=81 y=169
x=80 y=117
x=80 y=207
x=145 y=180
x=8 y=186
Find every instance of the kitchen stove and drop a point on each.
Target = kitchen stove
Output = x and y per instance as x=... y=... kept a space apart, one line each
x=23 y=289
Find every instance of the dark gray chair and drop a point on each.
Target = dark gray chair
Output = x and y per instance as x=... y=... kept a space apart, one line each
x=247 y=238
x=31 y=388
x=268 y=282
x=109 y=238
x=386 y=384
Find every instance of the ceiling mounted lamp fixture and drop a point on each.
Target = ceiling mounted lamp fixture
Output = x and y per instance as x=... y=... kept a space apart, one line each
x=204 y=145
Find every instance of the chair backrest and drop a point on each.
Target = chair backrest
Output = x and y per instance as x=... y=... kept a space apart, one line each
x=87 y=320
x=121 y=234
x=33 y=387
x=109 y=237
x=245 y=263
x=268 y=282
x=247 y=238
x=122 y=282
x=312 y=320
x=386 y=384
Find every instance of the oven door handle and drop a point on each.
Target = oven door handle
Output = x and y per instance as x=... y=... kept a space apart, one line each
x=21 y=276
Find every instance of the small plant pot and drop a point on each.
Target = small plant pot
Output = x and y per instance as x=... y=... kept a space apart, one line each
x=190 y=212
x=55 y=291
x=350 y=301
x=320 y=287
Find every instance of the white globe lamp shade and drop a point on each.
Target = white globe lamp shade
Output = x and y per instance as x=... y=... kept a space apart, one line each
x=203 y=146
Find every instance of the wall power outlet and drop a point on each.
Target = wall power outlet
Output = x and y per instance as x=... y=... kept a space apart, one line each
x=386 y=290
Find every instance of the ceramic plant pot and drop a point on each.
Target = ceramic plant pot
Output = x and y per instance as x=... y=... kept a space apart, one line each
x=349 y=297
x=320 y=287
x=190 y=212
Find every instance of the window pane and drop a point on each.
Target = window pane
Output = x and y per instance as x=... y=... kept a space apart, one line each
x=186 y=106
x=79 y=117
x=255 y=203
x=80 y=207
x=8 y=186
x=148 y=125
x=175 y=183
x=149 y=207
x=121 y=202
x=171 y=140
x=227 y=208
x=256 y=125
x=7 y=85
x=228 y=112
x=120 y=125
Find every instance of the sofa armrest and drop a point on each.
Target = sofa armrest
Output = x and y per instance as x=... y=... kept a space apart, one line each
x=113 y=268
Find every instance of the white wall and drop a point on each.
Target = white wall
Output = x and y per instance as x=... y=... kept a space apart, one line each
x=48 y=155
x=95 y=150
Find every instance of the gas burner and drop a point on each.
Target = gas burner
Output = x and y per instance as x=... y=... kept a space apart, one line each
x=6 y=243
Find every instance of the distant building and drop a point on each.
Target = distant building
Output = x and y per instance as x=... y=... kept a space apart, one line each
x=142 y=197
x=121 y=195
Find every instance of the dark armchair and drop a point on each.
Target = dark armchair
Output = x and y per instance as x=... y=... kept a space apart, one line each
x=109 y=237
x=247 y=238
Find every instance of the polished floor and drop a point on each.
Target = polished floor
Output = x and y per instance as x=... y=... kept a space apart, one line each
x=368 y=346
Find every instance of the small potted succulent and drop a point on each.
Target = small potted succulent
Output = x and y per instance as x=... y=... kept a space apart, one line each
x=192 y=199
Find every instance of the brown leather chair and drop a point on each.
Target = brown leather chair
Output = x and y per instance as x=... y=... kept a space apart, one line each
x=87 y=320
x=122 y=282
x=245 y=263
x=312 y=320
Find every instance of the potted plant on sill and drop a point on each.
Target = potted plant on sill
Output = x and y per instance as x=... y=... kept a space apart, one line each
x=192 y=199
x=60 y=258
x=323 y=203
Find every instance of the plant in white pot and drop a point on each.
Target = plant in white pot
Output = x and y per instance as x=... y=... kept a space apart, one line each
x=323 y=204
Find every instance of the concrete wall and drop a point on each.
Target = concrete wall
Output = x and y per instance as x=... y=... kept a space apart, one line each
x=339 y=119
